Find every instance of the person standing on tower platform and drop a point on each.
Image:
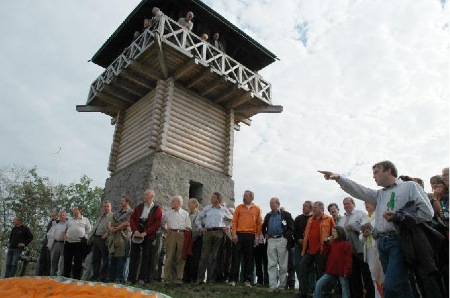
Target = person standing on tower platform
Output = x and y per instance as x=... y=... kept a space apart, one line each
x=187 y=21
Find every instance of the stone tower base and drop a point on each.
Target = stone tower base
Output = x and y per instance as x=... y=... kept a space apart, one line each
x=168 y=176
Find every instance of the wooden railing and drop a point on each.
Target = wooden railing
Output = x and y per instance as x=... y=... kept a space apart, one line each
x=172 y=33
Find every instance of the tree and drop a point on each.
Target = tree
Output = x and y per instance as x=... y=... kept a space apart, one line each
x=24 y=193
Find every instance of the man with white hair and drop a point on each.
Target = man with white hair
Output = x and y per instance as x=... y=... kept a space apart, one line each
x=187 y=21
x=277 y=228
x=351 y=222
x=145 y=220
x=175 y=222
x=57 y=247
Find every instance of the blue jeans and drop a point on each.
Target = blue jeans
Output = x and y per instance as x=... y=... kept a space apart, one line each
x=327 y=278
x=396 y=282
x=12 y=259
x=311 y=271
x=116 y=271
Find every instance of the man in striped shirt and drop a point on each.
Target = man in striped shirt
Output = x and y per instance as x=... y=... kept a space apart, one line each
x=393 y=196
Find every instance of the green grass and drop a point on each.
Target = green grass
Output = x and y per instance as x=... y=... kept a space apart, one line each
x=219 y=290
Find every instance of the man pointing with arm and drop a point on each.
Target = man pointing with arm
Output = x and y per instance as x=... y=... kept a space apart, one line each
x=393 y=196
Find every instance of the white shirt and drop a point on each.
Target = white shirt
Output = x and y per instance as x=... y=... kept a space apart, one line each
x=77 y=228
x=177 y=220
x=146 y=210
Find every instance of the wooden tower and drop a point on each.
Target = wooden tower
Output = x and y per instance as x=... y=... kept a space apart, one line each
x=176 y=100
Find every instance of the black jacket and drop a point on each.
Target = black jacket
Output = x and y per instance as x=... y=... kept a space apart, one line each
x=18 y=235
x=287 y=225
x=420 y=242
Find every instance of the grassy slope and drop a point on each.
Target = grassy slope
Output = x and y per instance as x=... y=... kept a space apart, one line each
x=216 y=291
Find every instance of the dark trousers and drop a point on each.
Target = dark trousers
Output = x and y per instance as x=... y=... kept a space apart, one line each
x=100 y=257
x=290 y=282
x=140 y=263
x=260 y=253
x=44 y=261
x=193 y=261
x=211 y=247
x=360 y=275
x=12 y=260
x=244 y=250
x=73 y=253
x=116 y=268
x=306 y=265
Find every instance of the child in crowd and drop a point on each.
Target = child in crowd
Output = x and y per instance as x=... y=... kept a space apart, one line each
x=339 y=262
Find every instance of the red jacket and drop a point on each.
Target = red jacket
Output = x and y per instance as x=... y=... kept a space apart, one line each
x=339 y=260
x=153 y=223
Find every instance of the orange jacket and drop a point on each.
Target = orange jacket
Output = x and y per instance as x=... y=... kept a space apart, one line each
x=247 y=220
x=326 y=224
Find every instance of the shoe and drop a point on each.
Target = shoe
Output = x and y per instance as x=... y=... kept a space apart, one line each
x=232 y=283
x=141 y=282
x=248 y=284
x=272 y=290
x=280 y=290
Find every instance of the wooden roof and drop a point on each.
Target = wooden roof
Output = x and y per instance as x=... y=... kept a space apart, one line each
x=239 y=45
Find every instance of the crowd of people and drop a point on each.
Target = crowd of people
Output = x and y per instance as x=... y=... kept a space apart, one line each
x=398 y=247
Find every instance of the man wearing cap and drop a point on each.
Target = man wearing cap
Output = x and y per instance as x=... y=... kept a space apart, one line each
x=144 y=222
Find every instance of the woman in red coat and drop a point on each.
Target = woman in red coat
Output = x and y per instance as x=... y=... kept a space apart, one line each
x=339 y=262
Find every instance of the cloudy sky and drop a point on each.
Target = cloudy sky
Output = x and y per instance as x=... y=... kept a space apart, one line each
x=360 y=81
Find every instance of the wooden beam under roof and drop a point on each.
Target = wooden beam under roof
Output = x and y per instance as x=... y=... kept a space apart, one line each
x=243 y=119
x=126 y=85
x=112 y=100
x=161 y=58
x=116 y=92
x=214 y=85
x=135 y=79
x=187 y=67
x=260 y=109
x=199 y=78
x=102 y=109
x=239 y=100
x=145 y=70
x=226 y=94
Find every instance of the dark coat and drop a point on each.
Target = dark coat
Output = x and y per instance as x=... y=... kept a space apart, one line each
x=288 y=227
x=420 y=242
x=153 y=222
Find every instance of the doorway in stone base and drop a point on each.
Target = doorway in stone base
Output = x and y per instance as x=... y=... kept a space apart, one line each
x=196 y=190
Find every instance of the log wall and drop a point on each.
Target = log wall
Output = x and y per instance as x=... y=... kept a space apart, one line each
x=137 y=138
x=196 y=130
x=179 y=122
